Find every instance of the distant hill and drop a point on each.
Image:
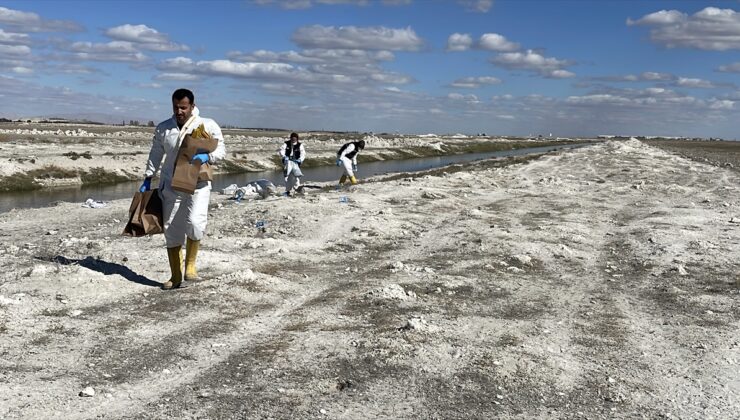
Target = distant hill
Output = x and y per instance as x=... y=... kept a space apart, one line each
x=88 y=118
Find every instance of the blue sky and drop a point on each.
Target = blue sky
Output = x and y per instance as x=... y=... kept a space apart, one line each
x=571 y=68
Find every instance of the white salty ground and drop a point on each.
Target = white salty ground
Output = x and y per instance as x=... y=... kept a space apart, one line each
x=591 y=283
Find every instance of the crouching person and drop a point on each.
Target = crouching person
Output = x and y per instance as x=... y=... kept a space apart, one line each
x=293 y=154
x=347 y=158
x=185 y=215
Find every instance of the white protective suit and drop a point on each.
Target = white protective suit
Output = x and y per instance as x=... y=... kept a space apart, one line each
x=291 y=170
x=347 y=162
x=184 y=215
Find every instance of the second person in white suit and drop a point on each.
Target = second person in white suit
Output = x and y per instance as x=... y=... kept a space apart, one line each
x=293 y=154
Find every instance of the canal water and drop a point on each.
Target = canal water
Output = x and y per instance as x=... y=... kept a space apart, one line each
x=46 y=197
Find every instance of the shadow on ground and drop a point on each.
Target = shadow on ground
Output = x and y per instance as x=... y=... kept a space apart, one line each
x=107 y=268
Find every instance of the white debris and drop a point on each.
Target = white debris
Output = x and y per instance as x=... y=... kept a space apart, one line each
x=87 y=392
x=681 y=270
x=522 y=259
x=393 y=291
x=418 y=323
x=398 y=265
x=6 y=301
x=431 y=196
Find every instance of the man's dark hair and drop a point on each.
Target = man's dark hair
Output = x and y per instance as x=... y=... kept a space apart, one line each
x=294 y=135
x=179 y=94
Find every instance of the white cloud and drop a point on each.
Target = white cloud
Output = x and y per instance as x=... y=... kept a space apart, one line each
x=721 y=104
x=31 y=22
x=708 y=29
x=22 y=70
x=475 y=82
x=597 y=99
x=230 y=68
x=694 y=83
x=329 y=65
x=353 y=37
x=145 y=38
x=182 y=77
x=65 y=101
x=14 y=50
x=642 y=77
x=663 y=17
x=649 y=75
x=74 y=68
x=149 y=85
x=730 y=68
x=116 y=51
x=12 y=38
x=314 y=56
x=258 y=71
x=657 y=91
x=470 y=98
x=391 y=78
x=477 y=6
x=668 y=78
x=459 y=42
x=306 y=4
x=560 y=74
x=496 y=42
x=533 y=61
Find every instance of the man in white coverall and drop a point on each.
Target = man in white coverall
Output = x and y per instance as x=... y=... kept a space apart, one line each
x=185 y=216
x=347 y=157
x=293 y=154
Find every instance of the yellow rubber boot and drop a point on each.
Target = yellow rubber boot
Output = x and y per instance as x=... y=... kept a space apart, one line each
x=343 y=179
x=175 y=256
x=353 y=180
x=191 y=253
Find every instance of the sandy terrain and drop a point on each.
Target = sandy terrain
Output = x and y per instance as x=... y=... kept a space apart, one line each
x=592 y=283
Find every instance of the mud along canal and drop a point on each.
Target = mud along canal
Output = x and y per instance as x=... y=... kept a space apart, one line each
x=46 y=197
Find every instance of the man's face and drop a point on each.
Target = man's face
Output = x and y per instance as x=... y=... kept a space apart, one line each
x=294 y=140
x=182 y=109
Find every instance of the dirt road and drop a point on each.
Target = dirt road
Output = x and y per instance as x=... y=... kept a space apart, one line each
x=591 y=283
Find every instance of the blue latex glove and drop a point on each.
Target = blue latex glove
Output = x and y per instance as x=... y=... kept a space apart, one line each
x=339 y=162
x=354 y=168
x=146 y=185
x=285 y=160
x=202 y=157
x=298 y=161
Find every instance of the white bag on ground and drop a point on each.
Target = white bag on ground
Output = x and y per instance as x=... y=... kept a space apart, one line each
x=230 y=190
x=260 y=188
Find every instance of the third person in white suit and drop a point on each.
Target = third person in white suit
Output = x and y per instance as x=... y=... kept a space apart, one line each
x=347 y=157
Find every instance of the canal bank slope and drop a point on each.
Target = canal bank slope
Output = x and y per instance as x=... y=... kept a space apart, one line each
x=45 y=155
x=597 y=282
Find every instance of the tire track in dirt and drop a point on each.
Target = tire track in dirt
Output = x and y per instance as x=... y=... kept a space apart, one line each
x=628 y=308
x=208 y=343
